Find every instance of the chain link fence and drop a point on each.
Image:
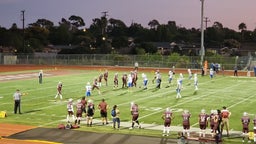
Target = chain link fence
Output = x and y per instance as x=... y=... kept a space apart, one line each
x=160 y=61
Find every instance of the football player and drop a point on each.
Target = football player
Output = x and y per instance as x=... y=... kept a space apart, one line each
x=79 y=112
x=245 y=123
x=167 y=117
x=203 y=122
x=186 y=122
x=135 y=114
x=70 y=110
x=225 y=114
x=59 y=89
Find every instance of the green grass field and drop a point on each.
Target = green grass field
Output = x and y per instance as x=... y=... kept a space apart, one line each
x=40 y=109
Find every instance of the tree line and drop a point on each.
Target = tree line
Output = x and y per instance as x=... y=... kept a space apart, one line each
x=111 y=35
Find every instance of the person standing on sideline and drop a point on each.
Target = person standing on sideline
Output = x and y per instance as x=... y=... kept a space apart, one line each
x=79 y=112
x=40 y=76
x=203 y=122
x=235 y=71
x=254 y=128
x=219 y=121
x=70 y=110
x=84 y=102
x=90 y=112
x=245 y=123
x=17 y=99
x=103 y=107
x=59 y=89
x=116 y=117
x=186 y=122
x=135 y=114
x=167 y=117
x=225 y=113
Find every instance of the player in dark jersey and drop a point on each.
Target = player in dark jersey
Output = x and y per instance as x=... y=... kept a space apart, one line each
x=84 y=102
x=135 y=115
x=254 y=128
x=100 y=79
x=103 y=107
x=214 y=122
x=203 y=122
x=105 y=75
x=186 y=122
x=211 y=120
x=90 y=112
x=245 y=123
x=116 y=80
x=95 y=85
x=167 y=117
x=124 y=80
x=79 y=112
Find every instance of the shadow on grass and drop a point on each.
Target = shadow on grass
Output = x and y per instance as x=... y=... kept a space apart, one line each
x=31 y=111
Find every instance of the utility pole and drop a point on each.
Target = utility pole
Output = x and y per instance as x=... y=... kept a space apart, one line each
x=202 y=32
x=23 y=27
x=104 y=17
x=206 y=20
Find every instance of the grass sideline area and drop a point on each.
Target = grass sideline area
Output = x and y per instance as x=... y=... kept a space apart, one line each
x=40 y=109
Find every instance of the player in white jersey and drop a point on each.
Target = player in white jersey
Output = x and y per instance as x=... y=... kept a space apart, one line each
x=190 y=74
x=178 y=89
x=70 y=110
x=170 y=74
x=88 y=89
x=195 y=81
x=211 y=73
x=145 y=80
x=129 y=82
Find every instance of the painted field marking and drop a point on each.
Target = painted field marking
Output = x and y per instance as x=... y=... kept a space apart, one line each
x=192 y=99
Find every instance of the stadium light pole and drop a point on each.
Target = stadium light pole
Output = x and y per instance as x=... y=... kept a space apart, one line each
x=23 y=28
x=202 y=32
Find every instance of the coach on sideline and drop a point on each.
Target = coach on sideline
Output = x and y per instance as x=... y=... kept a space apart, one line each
x=17 y=98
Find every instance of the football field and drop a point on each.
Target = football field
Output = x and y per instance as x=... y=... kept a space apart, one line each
x=40 y=108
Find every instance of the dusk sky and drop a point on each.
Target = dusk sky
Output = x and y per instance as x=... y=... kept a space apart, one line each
x=186 y=13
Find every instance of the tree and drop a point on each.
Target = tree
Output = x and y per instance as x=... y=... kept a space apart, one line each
x=76 y=21
x=217 y=25
x=44 y=23
x=242 y=26
x=153 y=24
